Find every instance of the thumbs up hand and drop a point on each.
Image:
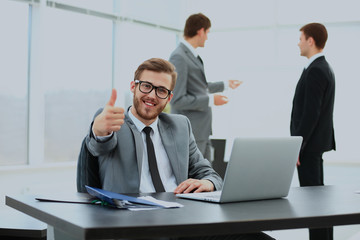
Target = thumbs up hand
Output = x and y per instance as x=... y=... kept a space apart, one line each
x=110 y=119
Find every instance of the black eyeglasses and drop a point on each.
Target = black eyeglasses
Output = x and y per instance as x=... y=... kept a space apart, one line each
x=146 y=87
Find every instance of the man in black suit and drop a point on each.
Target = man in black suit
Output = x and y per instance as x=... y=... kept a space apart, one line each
x=312 y=113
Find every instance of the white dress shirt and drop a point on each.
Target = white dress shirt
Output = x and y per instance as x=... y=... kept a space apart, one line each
x=166 y=174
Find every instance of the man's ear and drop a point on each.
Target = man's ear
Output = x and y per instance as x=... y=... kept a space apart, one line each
x=311 y=41
x=201 y=31
x=132 y=86
x=170 y=97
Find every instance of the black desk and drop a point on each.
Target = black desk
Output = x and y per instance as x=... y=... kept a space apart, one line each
x=305 y=207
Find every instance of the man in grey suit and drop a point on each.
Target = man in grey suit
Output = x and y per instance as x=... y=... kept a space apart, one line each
x=120 y=140
x=192 y=92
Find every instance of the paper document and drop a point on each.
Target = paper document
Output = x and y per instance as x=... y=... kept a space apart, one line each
x=165 y=204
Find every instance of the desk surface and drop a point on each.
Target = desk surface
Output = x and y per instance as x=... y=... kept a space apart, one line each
x=303 y=208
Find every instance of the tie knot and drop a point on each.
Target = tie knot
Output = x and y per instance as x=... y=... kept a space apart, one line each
x=147 y=130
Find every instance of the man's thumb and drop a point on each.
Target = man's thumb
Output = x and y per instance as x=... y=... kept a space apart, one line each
x=112 y=98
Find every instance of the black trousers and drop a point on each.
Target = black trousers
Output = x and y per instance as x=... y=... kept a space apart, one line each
x=311 y=173
x=205 y=148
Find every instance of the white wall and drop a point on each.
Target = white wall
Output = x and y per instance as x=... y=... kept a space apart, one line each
x=256 y=41
x=253 y=41
x=264 y=54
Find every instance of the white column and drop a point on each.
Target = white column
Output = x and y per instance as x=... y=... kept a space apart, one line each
x=118 y=80
x=36 y=93
x=121 y=82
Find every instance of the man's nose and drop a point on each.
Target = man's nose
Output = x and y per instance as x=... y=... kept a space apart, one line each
x=152 y=93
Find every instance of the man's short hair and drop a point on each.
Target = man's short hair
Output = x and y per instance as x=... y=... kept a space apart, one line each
x=317 y=31
x=157 y=65
x=196 y=22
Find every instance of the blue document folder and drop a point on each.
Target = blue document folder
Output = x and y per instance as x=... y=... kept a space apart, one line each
x=119 y=200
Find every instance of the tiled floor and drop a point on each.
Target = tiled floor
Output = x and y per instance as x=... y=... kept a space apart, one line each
x=335 y=174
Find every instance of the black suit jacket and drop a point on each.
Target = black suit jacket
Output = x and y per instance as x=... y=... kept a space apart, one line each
x=313 y=104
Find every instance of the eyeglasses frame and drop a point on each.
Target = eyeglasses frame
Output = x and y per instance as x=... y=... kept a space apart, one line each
x=153 y=87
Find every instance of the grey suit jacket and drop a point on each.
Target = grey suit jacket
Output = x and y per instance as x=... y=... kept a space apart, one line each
x=120 y=158
x=191 y=93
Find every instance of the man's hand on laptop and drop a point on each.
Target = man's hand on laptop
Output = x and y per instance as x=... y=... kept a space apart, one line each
x=194 y=185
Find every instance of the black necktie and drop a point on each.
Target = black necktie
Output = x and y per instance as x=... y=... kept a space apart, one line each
x=155 y=176
x=200 y=59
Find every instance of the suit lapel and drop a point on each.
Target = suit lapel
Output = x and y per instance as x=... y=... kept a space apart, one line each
x=138 y=143
x=168 y=140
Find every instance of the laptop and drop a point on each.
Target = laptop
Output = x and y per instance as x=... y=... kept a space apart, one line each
x=258 y=169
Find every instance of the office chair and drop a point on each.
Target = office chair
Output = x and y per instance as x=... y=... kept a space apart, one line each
x=87 y=170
